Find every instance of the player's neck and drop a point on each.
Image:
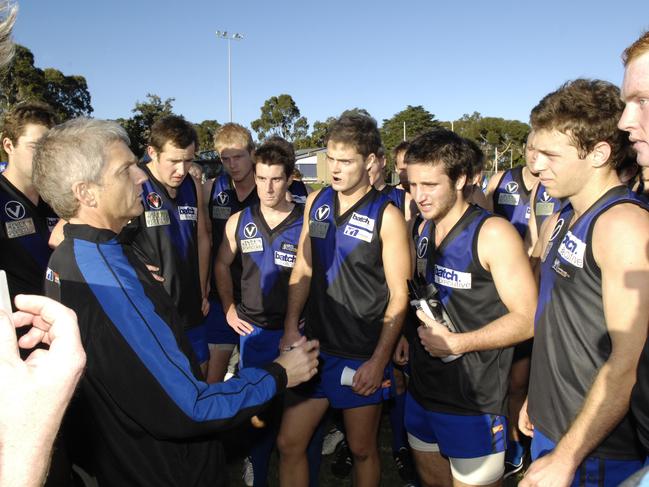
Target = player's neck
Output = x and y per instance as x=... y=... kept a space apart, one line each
x=22 y=183
x=593 y=190
x=446 y=223
x=275 y=215
x=245 y=186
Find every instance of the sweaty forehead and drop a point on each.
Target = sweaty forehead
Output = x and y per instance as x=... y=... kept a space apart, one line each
x=636 y=77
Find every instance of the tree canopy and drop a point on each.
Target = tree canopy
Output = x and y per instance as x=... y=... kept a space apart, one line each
x=145 y=115
x=417 y=121
x=281 y=116
x=21 y=80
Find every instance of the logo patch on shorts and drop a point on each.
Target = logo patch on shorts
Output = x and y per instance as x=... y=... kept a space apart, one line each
x=154 y=200
x=452 y=278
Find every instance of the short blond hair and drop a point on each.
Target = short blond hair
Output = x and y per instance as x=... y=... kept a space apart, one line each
x=233 y=134
x=637 y=49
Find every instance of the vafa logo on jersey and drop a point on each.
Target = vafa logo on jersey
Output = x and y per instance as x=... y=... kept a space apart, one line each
x=250 y=230
x=154 y=200
x=422 y=247
x=322 y=213
x=222 y=198
x=511 y=187
x=249 y=243
x=15 y=210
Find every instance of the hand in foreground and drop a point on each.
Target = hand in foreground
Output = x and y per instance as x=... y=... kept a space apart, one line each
x=301 y=362
x=37 y=389
x=435 y=337
x=401 y=352
x=289 y=340
x=551 y=470
x=154 y=272
x=242 y=327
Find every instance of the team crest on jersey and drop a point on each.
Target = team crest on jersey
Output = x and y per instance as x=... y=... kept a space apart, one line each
x=422 y=247
x=223 y=198
x=15 y=210
x=452 y=278
x=154 y=200
x=283 y=259
x=250 y=230
x=511 y=187
x=188 y=213
x=545 y=197
x=572 y=249
x=322 y=213
x=52 y=276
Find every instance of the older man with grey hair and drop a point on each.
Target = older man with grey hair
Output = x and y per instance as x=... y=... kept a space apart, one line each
x=151 y=416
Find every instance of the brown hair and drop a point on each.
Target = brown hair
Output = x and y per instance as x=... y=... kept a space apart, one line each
x=276 y=151
x=359 y=131
x=587 y=111
x=637 y=49
x=173 y=129
x=35 y=113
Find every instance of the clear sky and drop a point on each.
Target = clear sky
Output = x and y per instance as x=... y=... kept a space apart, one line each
x=495 y=57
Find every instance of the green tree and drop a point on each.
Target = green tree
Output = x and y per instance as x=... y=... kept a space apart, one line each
x=205 y=131
x=145 y=115
x=417 y=120
x=22 y=81
x=502 y=141
x=281 y=116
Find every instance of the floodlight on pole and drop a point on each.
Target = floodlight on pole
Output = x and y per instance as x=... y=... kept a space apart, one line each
x=222 y=34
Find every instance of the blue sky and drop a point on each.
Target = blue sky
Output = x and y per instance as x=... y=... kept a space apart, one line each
x=498 y=57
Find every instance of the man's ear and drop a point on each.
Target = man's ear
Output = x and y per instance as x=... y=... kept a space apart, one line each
x=460 y=182
x=152 y=153
x=600 y=154
x=85 y=194
x=7 y=145
x=371 y=159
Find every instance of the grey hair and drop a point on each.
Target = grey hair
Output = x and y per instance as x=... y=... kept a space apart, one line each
x=8 y=11
x=73 y=152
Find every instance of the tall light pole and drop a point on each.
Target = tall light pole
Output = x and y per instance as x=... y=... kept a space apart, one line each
x=229 y=37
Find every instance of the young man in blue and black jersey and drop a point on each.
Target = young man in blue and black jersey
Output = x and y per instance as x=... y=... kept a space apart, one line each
x=352 y=266
x=265 y=237
x=456 y=409
x=593 y=310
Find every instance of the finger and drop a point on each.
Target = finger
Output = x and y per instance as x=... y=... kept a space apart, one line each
x=58 y=321
x=152 y=268
x=32 y=338
x=299 y=342
x=8 y=345
x=21 y=318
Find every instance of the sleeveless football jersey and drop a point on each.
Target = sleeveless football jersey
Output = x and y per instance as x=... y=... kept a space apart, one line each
x=348 y=294
x=222 y=204
x=396 y=195
x=267 y=258
x=476 y=382
x=571 y=339
x=167 y=237
x=544 y=205
x=24 y=233
x=511 y=199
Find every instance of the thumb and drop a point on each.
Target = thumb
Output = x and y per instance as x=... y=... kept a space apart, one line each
x=8 y=341
x=300 y=342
